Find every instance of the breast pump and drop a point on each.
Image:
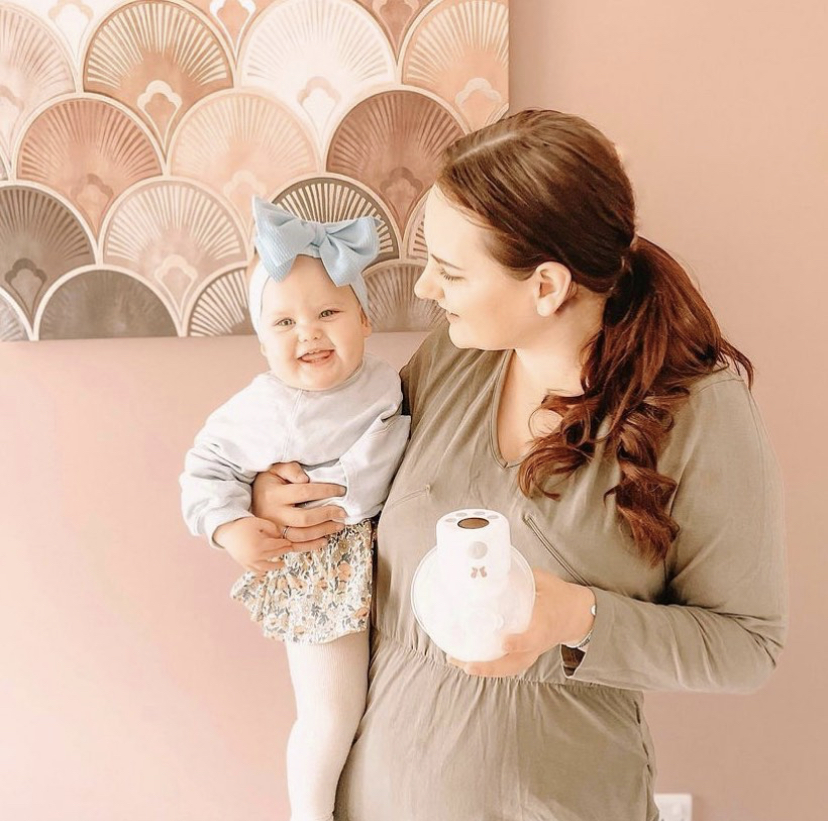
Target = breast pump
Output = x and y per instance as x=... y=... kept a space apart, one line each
x=473 y=587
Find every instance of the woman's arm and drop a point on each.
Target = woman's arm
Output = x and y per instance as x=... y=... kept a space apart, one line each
x=723 y=621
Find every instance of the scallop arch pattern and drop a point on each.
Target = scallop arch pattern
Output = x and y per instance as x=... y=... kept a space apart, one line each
x=104 y=303
x=240 y=144
x=393 y=142
x=40 y=241
x=396 y=16
x=221 y=308
x=167 y=217
x=158 y=59
x=11 y=328
x=109 y=106
x=90 y=151
x=328 y=199
x=392 y=304
x=323 y=54
x=33 y=70
x=460 y=51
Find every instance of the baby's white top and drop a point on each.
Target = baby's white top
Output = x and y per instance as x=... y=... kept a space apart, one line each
x=353 y=435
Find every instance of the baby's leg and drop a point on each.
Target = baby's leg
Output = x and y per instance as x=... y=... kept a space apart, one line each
x=330 y=683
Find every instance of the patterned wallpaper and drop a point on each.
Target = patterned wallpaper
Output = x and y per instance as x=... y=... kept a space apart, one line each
x=133 y=135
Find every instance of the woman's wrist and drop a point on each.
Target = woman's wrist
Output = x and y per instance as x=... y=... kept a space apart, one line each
x=584 y=621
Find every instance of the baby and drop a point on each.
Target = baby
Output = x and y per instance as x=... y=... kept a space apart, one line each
x=328 y=405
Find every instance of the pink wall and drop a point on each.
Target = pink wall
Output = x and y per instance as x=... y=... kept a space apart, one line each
x=719 y=110
x=133 y=688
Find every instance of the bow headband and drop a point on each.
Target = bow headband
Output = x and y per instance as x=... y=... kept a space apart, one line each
x=346 y=248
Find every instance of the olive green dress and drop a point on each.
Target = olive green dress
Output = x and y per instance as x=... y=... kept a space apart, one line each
x=567 y=740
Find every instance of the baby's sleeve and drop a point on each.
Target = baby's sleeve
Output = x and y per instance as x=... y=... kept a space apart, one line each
x=238 y=440
x=371 y=463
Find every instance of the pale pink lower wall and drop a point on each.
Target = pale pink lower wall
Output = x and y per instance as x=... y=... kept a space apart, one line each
x=132 y=688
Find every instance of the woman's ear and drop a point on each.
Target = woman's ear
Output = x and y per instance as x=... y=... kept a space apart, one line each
x=552 y=283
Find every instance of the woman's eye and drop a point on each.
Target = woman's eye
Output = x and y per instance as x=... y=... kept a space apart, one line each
x=448 y=277
x=329 y=312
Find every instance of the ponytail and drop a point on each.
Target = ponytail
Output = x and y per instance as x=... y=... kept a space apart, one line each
x=658 y=336
x=549 y=186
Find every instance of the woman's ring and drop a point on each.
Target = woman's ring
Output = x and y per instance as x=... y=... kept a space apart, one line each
x=284 y=531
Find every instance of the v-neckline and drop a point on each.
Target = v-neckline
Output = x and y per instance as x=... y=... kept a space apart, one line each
x=500 y=380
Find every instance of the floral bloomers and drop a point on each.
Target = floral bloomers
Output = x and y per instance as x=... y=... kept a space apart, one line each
x=314 y=596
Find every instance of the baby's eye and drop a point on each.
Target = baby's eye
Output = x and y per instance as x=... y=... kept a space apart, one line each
x=283 y=323
x=328 y=312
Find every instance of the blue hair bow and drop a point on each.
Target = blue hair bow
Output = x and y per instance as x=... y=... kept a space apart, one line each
x=346 y=248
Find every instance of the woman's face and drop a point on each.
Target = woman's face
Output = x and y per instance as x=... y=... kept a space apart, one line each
x=486 y=308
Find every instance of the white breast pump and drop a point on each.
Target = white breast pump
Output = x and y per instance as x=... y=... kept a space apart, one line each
x=473 y=587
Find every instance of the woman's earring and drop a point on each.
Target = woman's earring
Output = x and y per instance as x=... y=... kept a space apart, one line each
x=545 y=307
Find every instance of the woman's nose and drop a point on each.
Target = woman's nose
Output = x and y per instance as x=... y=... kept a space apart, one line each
x=428 y=285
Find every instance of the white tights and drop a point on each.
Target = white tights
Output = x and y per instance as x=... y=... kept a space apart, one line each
x=330 y=683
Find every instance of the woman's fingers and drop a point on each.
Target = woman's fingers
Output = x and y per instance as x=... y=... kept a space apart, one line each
x=300 y=535
x=289 y=472
x=278 y=547
x=301 y=517
x=277 y=499
x=268 y=552
x=277 y=502
x=269 y=557
x=315 y=544
x=309 y=492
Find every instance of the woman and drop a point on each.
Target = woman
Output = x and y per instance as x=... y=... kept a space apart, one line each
x=582 y=388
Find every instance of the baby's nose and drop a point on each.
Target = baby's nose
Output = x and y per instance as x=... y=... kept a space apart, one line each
x=309 y=330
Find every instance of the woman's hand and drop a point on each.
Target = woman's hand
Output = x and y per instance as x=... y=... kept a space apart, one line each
x=561 y=614
x=276 y=494
x=253 y=543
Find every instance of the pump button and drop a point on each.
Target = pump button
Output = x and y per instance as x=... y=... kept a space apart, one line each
x=477 y=550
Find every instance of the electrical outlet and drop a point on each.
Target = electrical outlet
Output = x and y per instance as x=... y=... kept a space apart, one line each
x=674 y=806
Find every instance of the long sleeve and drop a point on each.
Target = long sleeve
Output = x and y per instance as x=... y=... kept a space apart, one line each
x=722 y=622
x=238 y=440
x=352 y=434
x=371 y=462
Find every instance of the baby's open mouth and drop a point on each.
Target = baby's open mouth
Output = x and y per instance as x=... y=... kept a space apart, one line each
x=316 y=356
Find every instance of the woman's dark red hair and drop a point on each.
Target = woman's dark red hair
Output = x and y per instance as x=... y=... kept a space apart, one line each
x=551 y=187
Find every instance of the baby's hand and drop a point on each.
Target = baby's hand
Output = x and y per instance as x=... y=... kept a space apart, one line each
x=254 y=543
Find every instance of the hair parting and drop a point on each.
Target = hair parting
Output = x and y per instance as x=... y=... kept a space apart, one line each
x=551 y=187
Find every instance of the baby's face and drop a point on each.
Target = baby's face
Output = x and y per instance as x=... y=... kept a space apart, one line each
x=312 y=332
